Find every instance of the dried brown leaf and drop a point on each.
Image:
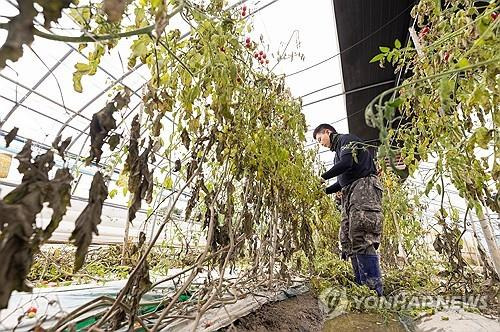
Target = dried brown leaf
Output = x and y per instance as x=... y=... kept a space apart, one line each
x=59 y=198
x=161 y=22
x=139 y=285
x=132 y=293
x=156 y=127
x=24 y=157
x=114 y=9
x=10 y=136
x=185 y=138
x=61 y=146
x=140 y=180
x=133 y=153
x=191 y=168
x=122 y=99
x=87 y=222
x=103 y=122
x=20 y=238
x=142 y=240
x=20 y=32
x=177 y=165
x=113 y=141
x=17 y=256
x=52 y=10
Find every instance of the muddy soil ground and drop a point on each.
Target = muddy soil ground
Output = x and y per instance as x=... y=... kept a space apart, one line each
x=301 y=313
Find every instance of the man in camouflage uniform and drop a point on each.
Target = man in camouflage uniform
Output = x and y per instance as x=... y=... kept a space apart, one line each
x=361 y=225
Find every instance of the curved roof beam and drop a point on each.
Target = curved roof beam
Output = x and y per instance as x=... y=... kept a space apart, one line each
x=18 y=103
x=37 y=84
x=41 y=95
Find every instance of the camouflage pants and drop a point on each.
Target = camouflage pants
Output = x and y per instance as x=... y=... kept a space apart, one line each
x=361 y=225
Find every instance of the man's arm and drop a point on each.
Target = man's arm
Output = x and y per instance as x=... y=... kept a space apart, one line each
x=343 y=165
x=333 y=188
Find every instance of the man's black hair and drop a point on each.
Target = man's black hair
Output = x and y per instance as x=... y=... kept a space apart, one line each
x=321 y=128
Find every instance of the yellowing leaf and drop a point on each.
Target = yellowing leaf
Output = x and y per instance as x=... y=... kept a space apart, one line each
x=462 y=63
x=168 y=183
x=156 y=3
x=482 y=137
x=139 y=48
x=113 y=193
x=77 y=81
x=83 y=67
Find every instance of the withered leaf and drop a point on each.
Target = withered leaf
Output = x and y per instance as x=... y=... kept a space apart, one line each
x=140 y=286
x=161 y=22
x=133 y=152
x=143 y=178
x=113 y=141
x=247 y=226
x=191 y=168
x=41 y=166
x=137 y=247
x=10 y=136
x=20 y=237
x=156 y=147
x=177 y=165
x=16 y=258
x=114 y=9
x=24 y=158
x=133 y=292
x=185 y=138
x=52 y=10
x=122 y=99
x=59 y=198
x=61 y=146
x=20 y=32
x=87 y=222
x=195 y=194
x=140 y=181
x=142 y=240
x=156 y=127
x=102 y=123
x=221 y=236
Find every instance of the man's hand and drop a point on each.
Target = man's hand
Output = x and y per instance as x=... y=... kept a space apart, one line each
x=338 y=197
x=343 y=255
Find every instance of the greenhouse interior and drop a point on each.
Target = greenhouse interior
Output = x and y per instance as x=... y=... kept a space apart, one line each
x=250 y=165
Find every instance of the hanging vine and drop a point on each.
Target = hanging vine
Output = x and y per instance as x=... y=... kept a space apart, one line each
x=450 y=99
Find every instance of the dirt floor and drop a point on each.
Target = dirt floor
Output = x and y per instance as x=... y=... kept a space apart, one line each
x=304 y=314
x=301 y=313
